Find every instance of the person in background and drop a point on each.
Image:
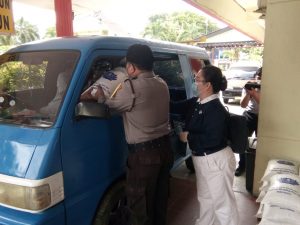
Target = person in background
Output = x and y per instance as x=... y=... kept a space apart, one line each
x=250 y=101
x=143 y=101
x=214 y=161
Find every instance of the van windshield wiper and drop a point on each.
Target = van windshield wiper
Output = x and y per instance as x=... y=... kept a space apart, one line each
x=32 y=120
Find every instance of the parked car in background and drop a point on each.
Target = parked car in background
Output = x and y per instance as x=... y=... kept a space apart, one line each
x=238 y=75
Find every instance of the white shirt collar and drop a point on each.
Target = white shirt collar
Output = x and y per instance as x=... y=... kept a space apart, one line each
x=208 y=99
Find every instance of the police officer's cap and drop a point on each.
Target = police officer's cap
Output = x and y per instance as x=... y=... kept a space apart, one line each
x=140 y=55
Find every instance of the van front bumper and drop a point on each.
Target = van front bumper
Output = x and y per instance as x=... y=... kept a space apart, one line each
x=52 y=216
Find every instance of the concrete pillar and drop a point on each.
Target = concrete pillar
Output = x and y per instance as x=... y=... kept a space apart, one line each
x=279 y=116
x=64 y=17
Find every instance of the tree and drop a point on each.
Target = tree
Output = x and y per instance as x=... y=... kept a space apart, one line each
x=6 y=39
x=244 y=53
x=25 y=32
x=50 y=32
x=254 y=53
x=178 y=26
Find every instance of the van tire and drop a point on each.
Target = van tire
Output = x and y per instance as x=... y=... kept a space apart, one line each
x=112 y=209
x=189 y=164
x=226 y=100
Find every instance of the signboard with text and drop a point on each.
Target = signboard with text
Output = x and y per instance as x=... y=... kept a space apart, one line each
x=6 y=17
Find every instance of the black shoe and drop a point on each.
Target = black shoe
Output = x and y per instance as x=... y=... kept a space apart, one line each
x=239 y=171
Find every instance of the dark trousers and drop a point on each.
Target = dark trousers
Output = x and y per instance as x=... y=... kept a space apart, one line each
x=148 y=184
x=252 y=121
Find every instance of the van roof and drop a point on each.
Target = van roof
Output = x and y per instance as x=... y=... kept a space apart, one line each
x=88 y=43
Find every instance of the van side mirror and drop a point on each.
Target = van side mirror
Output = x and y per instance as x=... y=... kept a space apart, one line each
x=92 y=109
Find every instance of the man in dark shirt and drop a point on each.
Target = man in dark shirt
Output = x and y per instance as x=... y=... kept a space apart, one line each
x=250 y=101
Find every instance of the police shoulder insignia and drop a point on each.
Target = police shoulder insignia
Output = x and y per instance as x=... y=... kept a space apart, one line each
x=119 y=87
x=109 y=75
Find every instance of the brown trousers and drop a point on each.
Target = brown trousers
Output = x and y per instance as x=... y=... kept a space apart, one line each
x=148 y=172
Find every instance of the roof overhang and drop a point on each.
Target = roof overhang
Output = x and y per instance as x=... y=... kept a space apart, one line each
x=242 y=15
x=245 y=16
x=78 y=6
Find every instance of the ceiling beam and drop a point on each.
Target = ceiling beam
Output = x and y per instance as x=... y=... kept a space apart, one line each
x=229 y=12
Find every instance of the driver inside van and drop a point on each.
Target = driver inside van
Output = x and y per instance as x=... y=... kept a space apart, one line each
x=51 y=108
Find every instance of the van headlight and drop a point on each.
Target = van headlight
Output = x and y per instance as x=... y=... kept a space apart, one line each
x=31 y=195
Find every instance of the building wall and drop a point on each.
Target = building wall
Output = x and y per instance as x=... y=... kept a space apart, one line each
x=279 y=116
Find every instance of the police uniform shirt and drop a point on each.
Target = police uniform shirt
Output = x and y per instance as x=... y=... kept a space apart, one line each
x=148 y=118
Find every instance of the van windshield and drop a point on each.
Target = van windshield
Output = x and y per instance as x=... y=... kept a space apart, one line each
x=33 y=85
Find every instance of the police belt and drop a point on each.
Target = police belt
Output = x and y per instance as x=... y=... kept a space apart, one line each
x=147 y=145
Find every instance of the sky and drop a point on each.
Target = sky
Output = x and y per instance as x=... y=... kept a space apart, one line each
x=126 y=17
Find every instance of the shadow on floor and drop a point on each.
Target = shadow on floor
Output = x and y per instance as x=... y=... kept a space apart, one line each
x=183 y=205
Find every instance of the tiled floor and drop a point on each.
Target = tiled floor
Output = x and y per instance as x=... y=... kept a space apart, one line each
x=183 y=205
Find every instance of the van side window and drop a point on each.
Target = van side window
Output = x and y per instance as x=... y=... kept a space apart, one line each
x=101 y=65
x=169 y=69
x=105 y=72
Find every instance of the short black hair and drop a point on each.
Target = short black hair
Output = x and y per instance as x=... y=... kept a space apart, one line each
x=258 y=72
x=141 y=56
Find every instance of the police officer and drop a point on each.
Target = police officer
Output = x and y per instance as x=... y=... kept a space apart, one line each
x=143 y=100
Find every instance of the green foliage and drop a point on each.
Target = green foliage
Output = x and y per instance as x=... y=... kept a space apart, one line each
x=251 y=53
x=7 y=76
x=6 y=39
x=254 y=53
x=4 y=48
x=16 y=76
x=178 y=26
x=25 y=32
x=50 y=32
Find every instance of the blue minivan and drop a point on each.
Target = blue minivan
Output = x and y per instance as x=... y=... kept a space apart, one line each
x=63 y=160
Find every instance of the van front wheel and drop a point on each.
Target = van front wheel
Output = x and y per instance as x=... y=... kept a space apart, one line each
x=112 y=210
